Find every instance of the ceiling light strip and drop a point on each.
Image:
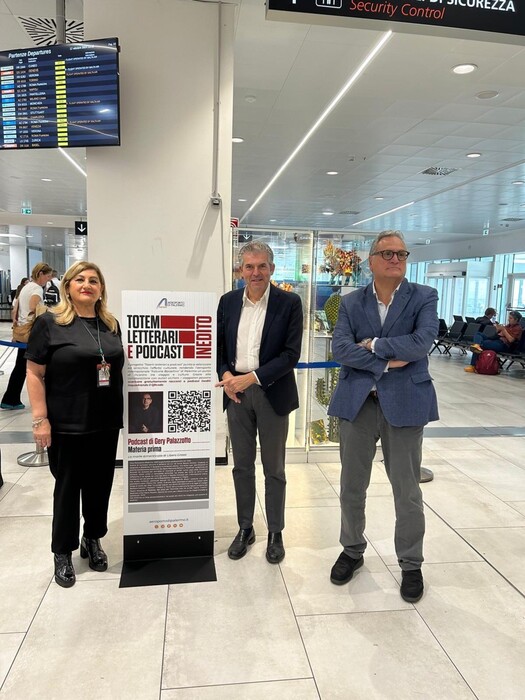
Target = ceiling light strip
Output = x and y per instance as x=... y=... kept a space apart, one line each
x=331 y=106
x=72 y=161
x=384 y=213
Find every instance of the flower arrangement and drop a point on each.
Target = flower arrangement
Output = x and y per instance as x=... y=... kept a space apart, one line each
x=340 y=263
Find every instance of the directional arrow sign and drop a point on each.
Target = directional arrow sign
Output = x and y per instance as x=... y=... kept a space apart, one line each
x=81 y=228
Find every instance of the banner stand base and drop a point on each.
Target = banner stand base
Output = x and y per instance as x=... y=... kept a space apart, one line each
x=157 y=572
x=155 y=560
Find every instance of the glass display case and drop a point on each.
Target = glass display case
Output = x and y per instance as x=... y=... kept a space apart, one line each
x=321 y=267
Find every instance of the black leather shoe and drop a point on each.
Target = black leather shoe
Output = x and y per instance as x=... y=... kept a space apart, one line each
x=98 y=560
x=412 y=585
x=275 y=548
x=239 y=546
x=344 y=568
x=64 y=571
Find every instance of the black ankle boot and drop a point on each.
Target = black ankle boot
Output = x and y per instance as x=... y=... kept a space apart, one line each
x=98 y=560
x=64 y=571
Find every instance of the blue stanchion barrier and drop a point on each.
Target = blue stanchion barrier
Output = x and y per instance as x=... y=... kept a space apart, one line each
x=317 y=365
x=12 y=344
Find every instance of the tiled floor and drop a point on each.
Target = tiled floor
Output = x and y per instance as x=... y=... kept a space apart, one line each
x=285 y=631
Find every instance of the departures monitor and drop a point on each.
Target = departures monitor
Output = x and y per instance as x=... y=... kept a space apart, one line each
x=65 y=95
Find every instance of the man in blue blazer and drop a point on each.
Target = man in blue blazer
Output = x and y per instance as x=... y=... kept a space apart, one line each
x=382 y=338
x=259 y=337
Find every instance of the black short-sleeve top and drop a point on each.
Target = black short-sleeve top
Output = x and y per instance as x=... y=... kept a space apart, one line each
x=75 y=401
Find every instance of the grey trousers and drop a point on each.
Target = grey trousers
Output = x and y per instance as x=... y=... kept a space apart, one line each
x=402 y=453
x=255 y=414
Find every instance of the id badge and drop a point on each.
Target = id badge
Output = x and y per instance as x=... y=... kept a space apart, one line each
x=103 y=374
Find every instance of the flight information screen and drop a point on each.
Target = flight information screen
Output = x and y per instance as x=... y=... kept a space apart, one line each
x=64 y=95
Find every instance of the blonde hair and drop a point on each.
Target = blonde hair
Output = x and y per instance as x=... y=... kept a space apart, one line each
x=40 y=268
x=65 y=312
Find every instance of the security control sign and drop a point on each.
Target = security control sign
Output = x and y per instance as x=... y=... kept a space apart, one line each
x=446 y=17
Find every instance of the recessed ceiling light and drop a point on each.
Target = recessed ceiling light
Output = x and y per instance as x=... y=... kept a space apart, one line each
x=487 y=94
x=379 y=199
x=59 y=245
x=519 y=182
x=332 y=172
x=328 y=213
x=273 y=221
x=473 y=155
x=242 y=200
x=50 y=223
x=46 y=179
x=29 y=236
x=237 y=139
x=250 y=99
x=464 y=68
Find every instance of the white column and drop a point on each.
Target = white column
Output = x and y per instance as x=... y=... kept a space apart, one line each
x=18 y=255
x=151 y=224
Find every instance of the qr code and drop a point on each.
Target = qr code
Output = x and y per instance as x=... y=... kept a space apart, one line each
x=189 y=411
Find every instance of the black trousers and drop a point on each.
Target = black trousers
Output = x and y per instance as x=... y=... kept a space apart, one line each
x=13 y=392
x=83 y=467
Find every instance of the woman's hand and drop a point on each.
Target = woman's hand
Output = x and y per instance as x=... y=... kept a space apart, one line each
x=42 y=434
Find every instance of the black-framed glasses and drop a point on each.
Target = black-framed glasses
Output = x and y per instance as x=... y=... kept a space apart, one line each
x=389 y=254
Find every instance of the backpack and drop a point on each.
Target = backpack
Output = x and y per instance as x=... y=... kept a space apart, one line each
x=487 y=362
x=51 y=294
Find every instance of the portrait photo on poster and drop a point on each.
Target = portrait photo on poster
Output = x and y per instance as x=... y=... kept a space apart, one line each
x=145 y=411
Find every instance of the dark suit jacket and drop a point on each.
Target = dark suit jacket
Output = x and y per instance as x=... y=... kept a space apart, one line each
x=280 y=345
x=406 y=394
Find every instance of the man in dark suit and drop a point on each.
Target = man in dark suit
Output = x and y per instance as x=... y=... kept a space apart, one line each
x=382 y=338
x=259 y=338
x=486 y=319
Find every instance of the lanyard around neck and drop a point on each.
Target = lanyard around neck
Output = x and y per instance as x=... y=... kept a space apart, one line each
x=96 y=340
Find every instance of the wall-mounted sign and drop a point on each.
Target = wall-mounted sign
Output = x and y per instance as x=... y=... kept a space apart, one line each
x=439 y=17
x=26 y=210
x=80 y=228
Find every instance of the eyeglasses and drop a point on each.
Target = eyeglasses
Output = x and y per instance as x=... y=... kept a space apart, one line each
x=389 y=254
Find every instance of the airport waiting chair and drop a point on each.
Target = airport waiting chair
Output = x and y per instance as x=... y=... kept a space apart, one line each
x=454 y=334
x=441 y=334
x=507 y=359
x=470 y=319
x=490 y=332
x=458 y=318
x=467 y=338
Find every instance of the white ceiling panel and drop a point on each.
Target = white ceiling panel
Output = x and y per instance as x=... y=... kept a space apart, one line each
x=406 y=113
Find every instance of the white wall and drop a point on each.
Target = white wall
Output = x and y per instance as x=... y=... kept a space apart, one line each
x=150 y=222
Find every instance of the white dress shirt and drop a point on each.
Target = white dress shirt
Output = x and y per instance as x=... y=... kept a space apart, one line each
x=249 y=333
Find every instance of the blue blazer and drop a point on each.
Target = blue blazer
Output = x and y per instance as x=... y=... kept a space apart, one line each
x=280 y=345
x=406 y=395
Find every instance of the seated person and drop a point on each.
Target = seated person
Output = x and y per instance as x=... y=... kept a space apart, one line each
x=509 y=335
x=486 y=319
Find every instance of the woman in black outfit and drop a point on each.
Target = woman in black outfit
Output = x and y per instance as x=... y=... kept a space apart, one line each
x=74 y=381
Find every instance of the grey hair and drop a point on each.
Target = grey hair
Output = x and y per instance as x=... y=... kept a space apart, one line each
x=385 y=234
x=256 y=247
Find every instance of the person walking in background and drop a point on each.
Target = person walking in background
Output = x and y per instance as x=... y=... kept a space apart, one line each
x=74 y=379
x=29 y=298
x=259 y=337
x=382 y=338
x=509 y=335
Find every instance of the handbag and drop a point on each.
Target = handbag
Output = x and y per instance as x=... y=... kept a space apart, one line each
x=21 y=332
